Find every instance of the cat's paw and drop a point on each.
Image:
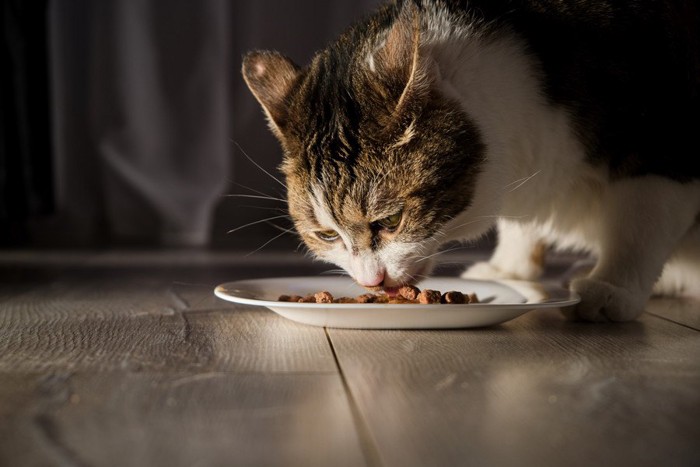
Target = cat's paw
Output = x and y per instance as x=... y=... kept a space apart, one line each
x=602 y=301
x=485 y=271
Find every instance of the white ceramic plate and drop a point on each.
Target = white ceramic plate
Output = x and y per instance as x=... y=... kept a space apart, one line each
x=501 y=301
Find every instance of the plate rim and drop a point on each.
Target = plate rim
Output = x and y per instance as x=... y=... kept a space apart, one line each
x=571 y=299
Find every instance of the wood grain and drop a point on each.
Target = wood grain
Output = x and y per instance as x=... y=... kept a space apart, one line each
x=535 y=391
x=112 y=367
x=207 y=419
x=138 y=323
x=129 y=360
x=685 y=310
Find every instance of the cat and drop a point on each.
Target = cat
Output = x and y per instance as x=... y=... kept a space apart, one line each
x=564 y=125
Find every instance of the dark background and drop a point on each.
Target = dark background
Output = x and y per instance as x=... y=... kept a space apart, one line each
x=124 y=122
x=121 y=121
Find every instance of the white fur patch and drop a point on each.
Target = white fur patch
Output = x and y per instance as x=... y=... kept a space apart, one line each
x=407 y=135
x=532 y=151
x=370 y=62
x=324 y=217
x=321 y=210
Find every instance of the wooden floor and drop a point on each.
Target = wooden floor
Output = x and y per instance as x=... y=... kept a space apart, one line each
x=127 y=359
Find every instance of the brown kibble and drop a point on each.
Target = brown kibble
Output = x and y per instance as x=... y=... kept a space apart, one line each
x=453 y=297
x=324 y=297
x=372 y=298
x=409 y=292
x=428 y=296
x=401 y=300
x=345 y=300
x=381 y=298
x=366 y=298
x=289 y=298
x=405 y=295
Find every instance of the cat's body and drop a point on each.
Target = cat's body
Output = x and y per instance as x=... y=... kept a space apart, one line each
x=567 y=125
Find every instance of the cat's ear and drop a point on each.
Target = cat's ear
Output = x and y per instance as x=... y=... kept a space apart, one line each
x=401 y=60
x=270 y=76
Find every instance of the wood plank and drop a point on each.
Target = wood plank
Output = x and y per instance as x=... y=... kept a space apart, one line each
x=207 y=419
x=114 y=361
x=111 y=366
x=242 y=340
x=685 y=311
x=535 y=391
x=136 y=322
x=238 y=339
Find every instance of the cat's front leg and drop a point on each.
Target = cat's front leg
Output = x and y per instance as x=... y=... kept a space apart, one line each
x=519 y=254
x=641 y=223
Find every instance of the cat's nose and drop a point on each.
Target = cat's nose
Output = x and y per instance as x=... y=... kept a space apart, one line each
x=366 y=270
x=373 y=280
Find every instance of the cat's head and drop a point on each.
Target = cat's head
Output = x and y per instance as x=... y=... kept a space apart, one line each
x=378 y=160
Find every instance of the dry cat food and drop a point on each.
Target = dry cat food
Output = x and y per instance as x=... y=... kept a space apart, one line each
x=405 y=294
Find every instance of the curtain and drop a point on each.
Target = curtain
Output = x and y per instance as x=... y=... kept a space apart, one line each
x=26 y=183
x=141 y=105
x=148 y=112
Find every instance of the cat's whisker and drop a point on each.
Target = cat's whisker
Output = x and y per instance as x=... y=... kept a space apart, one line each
x=481 y=218
x=258 y=165
x=460 y=263
x=473 y=221
x=417 y=277
x=269 y=198
x=438 y=233
x=285 y=216
x=442 y=252
x=337 y=272
x=262 y=193
x=266 y=243
x=520 y=182
x=266 y=208
x=307 y=252
x=290 y=230
x=512 y=186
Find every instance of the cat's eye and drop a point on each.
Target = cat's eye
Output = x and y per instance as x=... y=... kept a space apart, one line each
x=390 y=222
x=327 y=235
